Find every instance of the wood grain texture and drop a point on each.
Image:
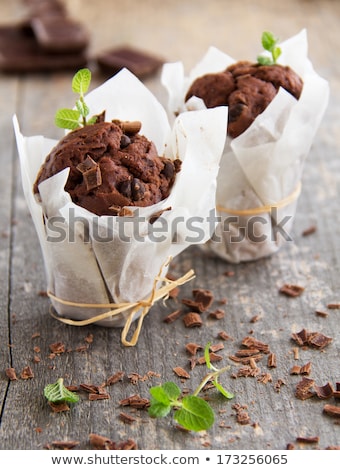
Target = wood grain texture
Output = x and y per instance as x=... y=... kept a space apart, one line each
x=178 y=31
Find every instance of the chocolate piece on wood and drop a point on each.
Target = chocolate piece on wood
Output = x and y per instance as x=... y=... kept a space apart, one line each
x=56 y=34
x=20 y=52
x=140 y=63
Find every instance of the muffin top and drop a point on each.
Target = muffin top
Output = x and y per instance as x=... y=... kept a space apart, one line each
x=111 y=166
x=246 y=88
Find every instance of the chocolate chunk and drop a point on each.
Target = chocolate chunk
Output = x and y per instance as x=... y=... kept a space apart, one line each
x=57 y=34
x=291 y=290
x=20 y=52
x=137 y=189
x=138 y=62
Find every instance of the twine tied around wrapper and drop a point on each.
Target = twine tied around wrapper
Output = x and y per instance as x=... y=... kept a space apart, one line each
x=115 y=309
x=265 y=208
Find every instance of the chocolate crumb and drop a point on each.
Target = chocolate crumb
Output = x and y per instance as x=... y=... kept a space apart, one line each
x=332 y=410
x=192 y=319
x=321 y=313
x=278 y=385
x=271 y=361
x=290 y=446
x=217 y=314
x=27 y=373
x=126 y=418
x=306 y=368
x=303 y=389
x=115 y=378
x=224 y=335
x=295 y=370
x=180 y=372
x=291 y=290
x=172 y=316
x=104 y=443
x=59 y=407
x=325 y=391
x=308 y=440
x=251 y=342
x=57 y=348
x=135 y=401
x=309 y=231
x=203 y=298
x=65 y=445
x=98 y=396
x=333 y=306
x=192 y=348
x=11 y=374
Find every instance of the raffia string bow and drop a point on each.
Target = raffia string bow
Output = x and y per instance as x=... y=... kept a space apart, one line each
x=161 y=292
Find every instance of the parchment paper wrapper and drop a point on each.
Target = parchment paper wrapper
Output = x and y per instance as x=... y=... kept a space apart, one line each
x=104 y=260
x=260 y=175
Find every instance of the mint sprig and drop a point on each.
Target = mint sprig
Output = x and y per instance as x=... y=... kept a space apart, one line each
x=269 y=43
x=74 y=118
x=58 y=393
x=191 y=412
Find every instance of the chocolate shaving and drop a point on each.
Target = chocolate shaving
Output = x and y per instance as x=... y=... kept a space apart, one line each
x=291 y=290
x=247 y=352
x=251 y=342
x=306 y=369
x=309 y=231
x=246 y=360
x=224 y=335
x=11 y=374
x=247 y=371
x=216 y=347
x=104 y=443
x=98 y=396
x=27 y=373
x=92 y=177
x=332 y=410
x=333 y=306
x=203 y=299
x=325 y=391
x=128 y=127
x=59 y=407
x=115 y=378
x=181 y=372
x=303 y=389
x=135 y=401
x=213 y=358
x=265 y=378
x=172 y=316
x=65 y=445
x=242 y=416
x=307 y=440
x=126 y=418
x=271 y=361
x=192 y=319
x=217 y=314
x=313 y=339
x=192 y=348
x=295 y=370
x=57 y=348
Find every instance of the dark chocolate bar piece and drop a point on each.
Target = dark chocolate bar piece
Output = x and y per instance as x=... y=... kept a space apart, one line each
x=140 y=63
x=59 y=34
x=20 y=52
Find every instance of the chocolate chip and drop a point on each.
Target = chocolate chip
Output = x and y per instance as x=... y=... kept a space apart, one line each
x=125 y=188
x=124 y=141
x=168 y=170
x=137 y=189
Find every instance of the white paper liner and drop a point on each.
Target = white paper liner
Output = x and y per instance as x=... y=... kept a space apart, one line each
x=107 y=262
x=264 y=165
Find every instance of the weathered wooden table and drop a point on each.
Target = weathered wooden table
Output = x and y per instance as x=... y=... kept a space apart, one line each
x=183 y=31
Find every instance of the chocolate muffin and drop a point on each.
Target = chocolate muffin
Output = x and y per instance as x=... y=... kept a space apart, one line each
x=111 y=166
x=247 y=89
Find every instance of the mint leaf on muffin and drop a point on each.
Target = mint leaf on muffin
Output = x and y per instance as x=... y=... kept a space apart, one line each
x=74 y=118
x=269 y=43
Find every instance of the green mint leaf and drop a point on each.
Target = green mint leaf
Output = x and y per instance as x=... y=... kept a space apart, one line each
x=207 y=355
x=159 y=394
x=195 y=414
x=268 y=41
x=264 y=60
x=81 y=81
x=58 y=393
x=222 y=390
x=172 y=390
x=92 y=120
x=82 y=108
x=276 y=53
x=158 y=409
x=67 y=118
